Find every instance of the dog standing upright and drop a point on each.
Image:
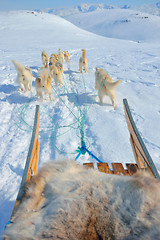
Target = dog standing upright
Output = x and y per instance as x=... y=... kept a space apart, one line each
x=45 y=58
x=43 y=83
x=83 y=63
x=57 y=74
x=24 y=76
x=66 y=56
x=105 y=85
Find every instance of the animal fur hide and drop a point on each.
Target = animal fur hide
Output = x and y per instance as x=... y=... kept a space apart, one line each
x=67 y=201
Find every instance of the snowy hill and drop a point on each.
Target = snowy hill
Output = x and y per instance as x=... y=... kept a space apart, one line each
x=119 y=23
x=23 y=37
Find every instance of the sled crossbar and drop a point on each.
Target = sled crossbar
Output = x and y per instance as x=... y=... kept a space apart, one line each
x=117 y=168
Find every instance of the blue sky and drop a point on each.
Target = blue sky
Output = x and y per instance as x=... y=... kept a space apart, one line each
x=6 y=5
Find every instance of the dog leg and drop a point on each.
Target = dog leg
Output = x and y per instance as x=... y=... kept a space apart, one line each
x=22 y=87
x=39 y=94
x=112 y=97
x=50 y=96
x=100 y=95
x=61 y=82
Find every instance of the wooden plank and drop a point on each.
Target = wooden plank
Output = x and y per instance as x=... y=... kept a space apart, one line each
x=88 y=165
x=132 y=168
x=31 y=165
x=104 y=167
x=118 y=169
x=147 y=160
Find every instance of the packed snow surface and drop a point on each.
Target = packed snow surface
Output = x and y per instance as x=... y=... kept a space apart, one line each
x=131 y=55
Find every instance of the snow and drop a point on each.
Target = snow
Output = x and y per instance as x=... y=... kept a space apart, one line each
x=126 y=56
x=119 y=23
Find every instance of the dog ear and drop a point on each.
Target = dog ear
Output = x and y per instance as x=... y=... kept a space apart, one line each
x=38 y=79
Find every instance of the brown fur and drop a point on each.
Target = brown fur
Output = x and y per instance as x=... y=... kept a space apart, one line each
x=83 y=63
x=67 y=201
x=43 y=83
x=105 y=85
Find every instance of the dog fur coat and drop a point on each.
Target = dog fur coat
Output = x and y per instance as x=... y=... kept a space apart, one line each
x=67 y=201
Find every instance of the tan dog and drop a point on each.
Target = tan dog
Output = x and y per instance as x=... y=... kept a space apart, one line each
x=57 y=75
x=45 y=58
x=60 y=56
x=83 y=63
x=24 y=76
x=105 y=85
x=43 y=83
x=66 y=56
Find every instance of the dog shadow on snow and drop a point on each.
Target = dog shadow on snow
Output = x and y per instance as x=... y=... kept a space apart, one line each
x=83 y=99
x=11 y=94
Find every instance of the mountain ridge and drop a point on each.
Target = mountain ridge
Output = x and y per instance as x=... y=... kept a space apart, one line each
x=153 y=9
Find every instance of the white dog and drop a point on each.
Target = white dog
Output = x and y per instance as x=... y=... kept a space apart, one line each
x=83 y=63
x=43 y=83
x=24 y=76
x=68 y=201
x=105 y=85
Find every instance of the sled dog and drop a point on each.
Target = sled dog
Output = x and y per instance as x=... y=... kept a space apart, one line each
x=60 y=56
x=105 y=85
x=92 y=205
x=57 y=74
x=43 y=83
x=24 y=76
x=45 y=58
x=83 y=63
x=66 y=56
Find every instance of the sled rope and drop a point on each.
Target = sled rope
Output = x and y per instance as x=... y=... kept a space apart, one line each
x=82 y=150
x=80 y=120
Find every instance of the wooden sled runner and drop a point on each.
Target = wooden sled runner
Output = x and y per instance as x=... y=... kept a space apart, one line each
x=31 y=166
x=141 y=154
x=142 y=157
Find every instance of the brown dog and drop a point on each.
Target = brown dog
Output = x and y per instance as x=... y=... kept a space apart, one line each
x=66 y=56
x=83 y=63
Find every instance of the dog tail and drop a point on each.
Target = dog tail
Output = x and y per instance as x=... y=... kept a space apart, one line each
x=20 y=68
x=112 y=85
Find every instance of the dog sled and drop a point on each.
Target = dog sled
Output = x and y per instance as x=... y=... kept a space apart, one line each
x=143 y=160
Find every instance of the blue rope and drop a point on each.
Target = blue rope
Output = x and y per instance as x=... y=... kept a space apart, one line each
x=8 y=224
x=83 y=150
